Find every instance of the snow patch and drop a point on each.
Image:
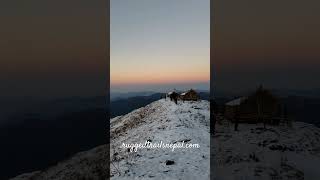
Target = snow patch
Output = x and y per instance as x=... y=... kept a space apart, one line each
x=164 y=121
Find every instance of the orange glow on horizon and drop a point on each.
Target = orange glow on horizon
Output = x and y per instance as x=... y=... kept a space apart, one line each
x=158 y=79
x=160 y=70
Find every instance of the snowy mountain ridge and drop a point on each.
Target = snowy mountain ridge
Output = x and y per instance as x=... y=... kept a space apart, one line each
x=162 y=121
x=276 y=153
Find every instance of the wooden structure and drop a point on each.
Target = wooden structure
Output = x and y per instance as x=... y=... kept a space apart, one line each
x=190 y=95
x=261 y=106
x=232 y=107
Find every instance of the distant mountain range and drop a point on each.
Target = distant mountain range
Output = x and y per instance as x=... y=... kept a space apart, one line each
x=123 y=105
x=124 y=95
x=121 y=95
x=42 y=134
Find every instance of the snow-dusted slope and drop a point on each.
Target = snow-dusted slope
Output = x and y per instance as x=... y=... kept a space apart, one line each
x=88 y=165
x=163 y=121
x=278 y=153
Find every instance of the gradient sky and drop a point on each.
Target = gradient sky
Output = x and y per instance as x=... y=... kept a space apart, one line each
x=159 y=44
x=272 y=42
x=53 y=48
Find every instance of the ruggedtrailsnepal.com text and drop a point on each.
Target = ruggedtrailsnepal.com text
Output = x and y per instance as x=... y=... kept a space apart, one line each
x=133 y=147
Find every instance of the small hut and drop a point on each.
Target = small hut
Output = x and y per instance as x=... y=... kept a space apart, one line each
x=232 y=107
x=190 y=95
x=261 y=106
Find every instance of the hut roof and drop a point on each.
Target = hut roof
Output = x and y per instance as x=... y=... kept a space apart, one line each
x=236 y=102
x=190 y=91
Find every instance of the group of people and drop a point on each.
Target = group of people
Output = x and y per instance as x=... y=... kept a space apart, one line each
x=173 y=96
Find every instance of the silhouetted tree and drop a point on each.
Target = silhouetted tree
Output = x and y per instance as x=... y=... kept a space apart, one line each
x=236 y=120
x=214 y=111
x=266 y=104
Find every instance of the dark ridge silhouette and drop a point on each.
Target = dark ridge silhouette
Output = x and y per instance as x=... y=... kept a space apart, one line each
x=37 y=143
x=124 y=106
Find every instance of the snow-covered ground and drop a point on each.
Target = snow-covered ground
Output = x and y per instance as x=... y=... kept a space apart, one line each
x=88 y=165
x=277 y=153
x=163 y=121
